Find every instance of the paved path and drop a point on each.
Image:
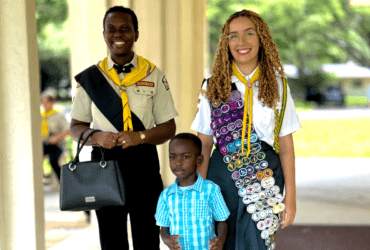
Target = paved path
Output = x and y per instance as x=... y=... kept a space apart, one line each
x=333 y=191
x=330 y=191
x=334 y=113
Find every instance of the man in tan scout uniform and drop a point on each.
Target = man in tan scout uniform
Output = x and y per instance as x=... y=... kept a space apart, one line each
x=128 y=99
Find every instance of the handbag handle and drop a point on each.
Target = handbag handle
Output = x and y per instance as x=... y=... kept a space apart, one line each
x=79 y=147
x=73 y=164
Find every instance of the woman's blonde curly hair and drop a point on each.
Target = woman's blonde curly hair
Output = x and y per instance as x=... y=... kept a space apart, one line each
x=219 y=86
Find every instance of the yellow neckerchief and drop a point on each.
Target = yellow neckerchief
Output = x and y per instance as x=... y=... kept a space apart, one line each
x=248 y=103
x=145 y=68
x=44 y=122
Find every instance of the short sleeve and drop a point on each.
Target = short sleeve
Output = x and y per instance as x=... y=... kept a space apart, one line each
x=81 y=107
x=290 y=120
x=64 y=124
x=219 y=208
x=202 y=120
x=163 y=104
x=161 y=215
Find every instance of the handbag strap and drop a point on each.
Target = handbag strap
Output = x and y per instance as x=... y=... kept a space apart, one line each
x=80 y=146
x=82 y=133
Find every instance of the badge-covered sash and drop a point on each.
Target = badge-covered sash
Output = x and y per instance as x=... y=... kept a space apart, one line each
x=251 y=173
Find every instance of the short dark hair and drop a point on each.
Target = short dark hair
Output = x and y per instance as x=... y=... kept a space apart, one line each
x=123 y=10
x=190 y=137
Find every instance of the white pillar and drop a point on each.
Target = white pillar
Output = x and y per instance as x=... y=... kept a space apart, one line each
x=86 y=34
x=173 y=36
x=21 y=190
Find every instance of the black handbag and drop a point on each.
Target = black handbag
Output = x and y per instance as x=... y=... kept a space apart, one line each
x=90 y=185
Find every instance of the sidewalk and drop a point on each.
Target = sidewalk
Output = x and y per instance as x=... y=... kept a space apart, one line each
x=330 y=191
x=69 y=230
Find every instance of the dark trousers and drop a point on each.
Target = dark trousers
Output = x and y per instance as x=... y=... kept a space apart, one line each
x=143 y=186
x=54 y=153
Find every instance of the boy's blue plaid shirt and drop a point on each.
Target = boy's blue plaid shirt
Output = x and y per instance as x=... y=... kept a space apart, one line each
x=191 y=213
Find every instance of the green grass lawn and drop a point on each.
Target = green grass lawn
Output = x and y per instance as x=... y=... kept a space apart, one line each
x=361 y=101
x=301 y=105
x=333 y=138
x=350 y=101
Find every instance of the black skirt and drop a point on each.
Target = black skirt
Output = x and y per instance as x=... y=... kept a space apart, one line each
x=243 y=232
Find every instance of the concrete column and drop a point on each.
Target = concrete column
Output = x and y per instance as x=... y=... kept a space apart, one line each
x=172 y=35
x=125 y=3
x=184 y=39
x=150 y=44
x=21 y=190
x=191 y=59
x=86 y=34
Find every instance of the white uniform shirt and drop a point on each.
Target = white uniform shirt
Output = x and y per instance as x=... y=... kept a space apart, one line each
x=153 y=105
x=263 y=117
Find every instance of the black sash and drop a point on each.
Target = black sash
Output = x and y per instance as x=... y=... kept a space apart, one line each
x=105 y=98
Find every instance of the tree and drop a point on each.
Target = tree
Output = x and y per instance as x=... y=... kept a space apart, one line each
x=52 y=33
x=308 y=33
x=218 y=12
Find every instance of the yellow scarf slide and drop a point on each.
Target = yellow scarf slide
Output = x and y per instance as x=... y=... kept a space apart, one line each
x=136 y=75
x=248 y=104
x=44 y=122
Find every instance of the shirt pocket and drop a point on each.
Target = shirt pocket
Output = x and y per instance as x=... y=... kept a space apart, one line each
x=143 y=96
x=200 y=209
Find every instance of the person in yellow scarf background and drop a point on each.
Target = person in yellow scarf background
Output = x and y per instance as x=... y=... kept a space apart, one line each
x=128 y=99
x=54 y=128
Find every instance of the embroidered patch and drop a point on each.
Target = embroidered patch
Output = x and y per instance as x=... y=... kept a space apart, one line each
x=165 y=83
x=149 y=84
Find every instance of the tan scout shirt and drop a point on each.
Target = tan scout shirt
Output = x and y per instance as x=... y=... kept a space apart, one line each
x=57 y=123
x=150 y=100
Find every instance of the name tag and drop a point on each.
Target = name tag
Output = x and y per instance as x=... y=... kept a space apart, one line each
x=149 y=84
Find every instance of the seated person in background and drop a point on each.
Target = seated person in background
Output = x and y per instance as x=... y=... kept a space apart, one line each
x=54 y=128
x=187 y=209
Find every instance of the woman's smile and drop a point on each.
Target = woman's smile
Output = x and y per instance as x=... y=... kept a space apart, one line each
x=243 y=51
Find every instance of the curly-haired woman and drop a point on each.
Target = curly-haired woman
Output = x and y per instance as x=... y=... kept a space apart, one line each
x=247 y=100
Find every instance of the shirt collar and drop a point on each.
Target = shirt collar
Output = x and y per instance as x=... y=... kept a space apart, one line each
x=133 y=61
x=197 y=186
x=246 y=77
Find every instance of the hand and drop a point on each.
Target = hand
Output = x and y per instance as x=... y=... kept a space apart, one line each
x=287 y=216
x=171 y=241
x=53 y=139
x=216 y=244
x=107 y=140
x=128 y=139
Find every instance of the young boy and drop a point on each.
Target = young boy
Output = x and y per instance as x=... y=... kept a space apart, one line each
x=187 y=209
